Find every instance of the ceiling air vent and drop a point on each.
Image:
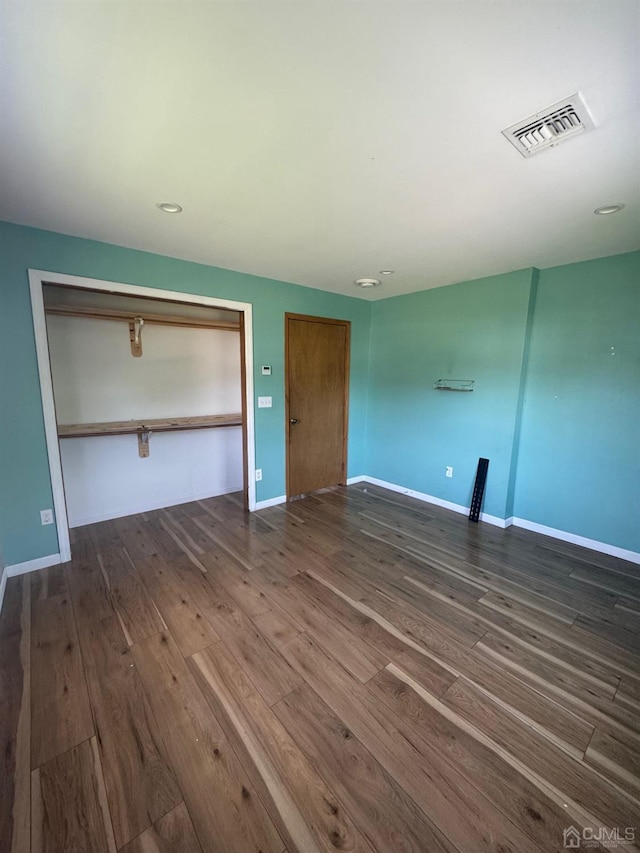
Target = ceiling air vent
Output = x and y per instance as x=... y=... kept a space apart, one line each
x=550 y=127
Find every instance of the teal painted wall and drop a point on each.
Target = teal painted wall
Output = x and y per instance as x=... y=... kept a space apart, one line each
x=579 y=458
x=24 y=475
x=515 y=449
x=474 y=330
x=555 y=409
x=556 y=413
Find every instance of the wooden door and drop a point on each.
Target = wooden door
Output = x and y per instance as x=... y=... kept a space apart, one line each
x=317 y=382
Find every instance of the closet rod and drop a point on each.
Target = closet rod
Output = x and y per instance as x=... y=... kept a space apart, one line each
x=157 y=319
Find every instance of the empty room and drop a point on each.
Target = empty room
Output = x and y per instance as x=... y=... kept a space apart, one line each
x=320 y=394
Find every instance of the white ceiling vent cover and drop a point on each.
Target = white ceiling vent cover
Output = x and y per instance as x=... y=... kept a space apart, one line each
x=550 y=127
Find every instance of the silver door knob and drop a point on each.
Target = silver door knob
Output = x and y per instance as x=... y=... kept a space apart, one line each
x=294 y=421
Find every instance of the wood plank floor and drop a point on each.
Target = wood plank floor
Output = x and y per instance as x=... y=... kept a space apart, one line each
x=353 y=671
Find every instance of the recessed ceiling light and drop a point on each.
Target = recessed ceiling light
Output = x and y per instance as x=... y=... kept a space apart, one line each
x=608 y=208
x=367 y=282
x=169 y=207
x=387 y=272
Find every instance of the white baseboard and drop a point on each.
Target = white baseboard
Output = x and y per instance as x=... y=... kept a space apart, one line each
x=134 y=510
x=593 y=544
x=32 y=565
x=431 y=499
x=281 y=499
x=24 y=568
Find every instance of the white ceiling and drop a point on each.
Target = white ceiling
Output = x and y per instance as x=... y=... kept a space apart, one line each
x=319 y=141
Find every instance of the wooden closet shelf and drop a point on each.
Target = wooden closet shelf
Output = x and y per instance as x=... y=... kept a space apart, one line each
x=151 y=425
x=149 y=319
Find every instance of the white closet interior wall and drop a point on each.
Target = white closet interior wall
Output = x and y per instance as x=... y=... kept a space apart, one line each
x=183 y=372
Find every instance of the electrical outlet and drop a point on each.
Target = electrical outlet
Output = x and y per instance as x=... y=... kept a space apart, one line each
x=258 y=474
x=448 y=471
x=46 y=516
x=264 y=402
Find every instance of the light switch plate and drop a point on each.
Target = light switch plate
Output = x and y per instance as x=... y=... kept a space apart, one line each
x=266 y=370
x=264 y=402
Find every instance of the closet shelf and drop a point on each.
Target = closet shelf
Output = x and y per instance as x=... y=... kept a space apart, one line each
x=149 y=318
x=152 y=425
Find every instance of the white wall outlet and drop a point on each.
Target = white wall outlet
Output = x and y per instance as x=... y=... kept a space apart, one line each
x=448 y=471
x=264 y=402
x=46 y=516
x=258 y=474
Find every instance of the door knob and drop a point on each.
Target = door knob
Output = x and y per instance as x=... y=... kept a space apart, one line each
x=293 y=421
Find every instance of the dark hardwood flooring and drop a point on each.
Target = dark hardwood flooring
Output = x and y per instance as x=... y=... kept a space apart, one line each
x=353 y=671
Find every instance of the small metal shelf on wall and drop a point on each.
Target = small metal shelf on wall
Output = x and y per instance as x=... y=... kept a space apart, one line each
x=454 y=385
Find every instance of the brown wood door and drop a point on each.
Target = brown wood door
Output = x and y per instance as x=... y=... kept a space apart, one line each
x=317 y=382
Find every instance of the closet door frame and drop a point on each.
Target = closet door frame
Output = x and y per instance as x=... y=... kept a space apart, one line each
x=37 y=279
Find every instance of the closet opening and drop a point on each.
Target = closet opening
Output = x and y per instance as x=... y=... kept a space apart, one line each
x=147 y=398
